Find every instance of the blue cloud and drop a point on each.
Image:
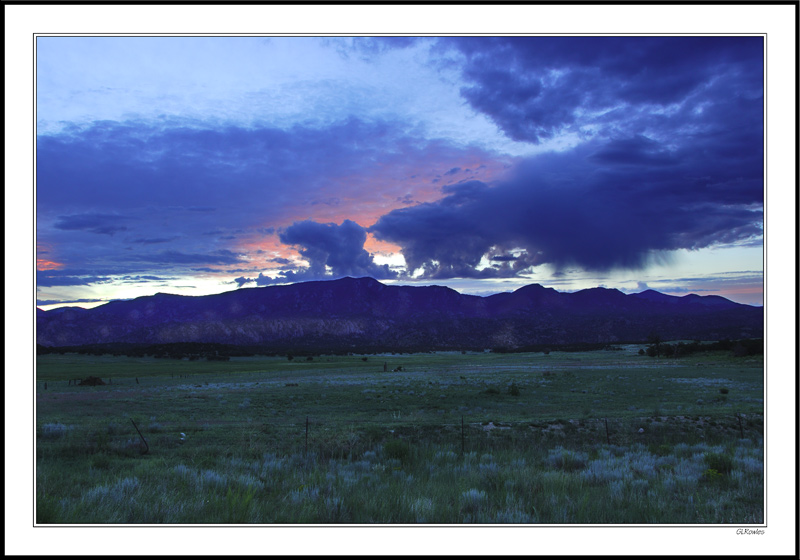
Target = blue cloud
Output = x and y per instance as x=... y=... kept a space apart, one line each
x=332 y=251
x=222 y=256
x=46 y=279
x=107 y=224
x=575 y=208
x=535 y=88
x=171 y=177
x=61 y=301
x=339 y=247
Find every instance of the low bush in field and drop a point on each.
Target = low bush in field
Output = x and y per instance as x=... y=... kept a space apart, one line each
x=720 y=462
x=564 y=459
x=397 y=449
x=55 y=431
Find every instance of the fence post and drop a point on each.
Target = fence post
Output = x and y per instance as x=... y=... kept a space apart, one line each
x=608 y=438
x=738 y=417
x=146 y=447
x=306 y=435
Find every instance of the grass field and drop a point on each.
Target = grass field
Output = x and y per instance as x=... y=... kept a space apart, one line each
x=566 y=438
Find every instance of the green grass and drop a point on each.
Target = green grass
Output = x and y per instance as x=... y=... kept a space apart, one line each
x=385 y=447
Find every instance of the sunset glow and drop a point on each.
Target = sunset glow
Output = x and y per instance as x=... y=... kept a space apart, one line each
x=196 y=165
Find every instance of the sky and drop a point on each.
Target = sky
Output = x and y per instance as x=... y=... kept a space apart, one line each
x=197 y=165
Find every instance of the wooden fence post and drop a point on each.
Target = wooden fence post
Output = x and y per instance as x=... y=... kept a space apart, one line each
x=738 y=417
x=146 y=447
x=608 y=438
x=306 y=435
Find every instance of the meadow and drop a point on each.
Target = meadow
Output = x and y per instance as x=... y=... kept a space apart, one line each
x=603 y=437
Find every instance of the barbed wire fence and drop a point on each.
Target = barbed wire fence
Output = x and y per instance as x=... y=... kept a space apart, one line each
x=351 y=437
x=307 y=433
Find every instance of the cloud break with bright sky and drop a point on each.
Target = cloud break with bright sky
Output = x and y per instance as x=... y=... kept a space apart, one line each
x=197 y=165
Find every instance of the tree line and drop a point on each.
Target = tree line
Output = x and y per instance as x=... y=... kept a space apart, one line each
x=738 y=348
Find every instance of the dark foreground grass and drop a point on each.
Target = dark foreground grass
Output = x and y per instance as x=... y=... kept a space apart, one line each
x=561 y=439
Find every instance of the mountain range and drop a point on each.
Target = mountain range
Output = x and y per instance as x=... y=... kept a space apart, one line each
x=363 y=315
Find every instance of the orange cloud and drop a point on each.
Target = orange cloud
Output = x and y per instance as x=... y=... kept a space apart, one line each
x=365 y=197
x=44 y=263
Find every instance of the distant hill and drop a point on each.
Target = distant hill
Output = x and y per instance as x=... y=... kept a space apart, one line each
x=363 y=315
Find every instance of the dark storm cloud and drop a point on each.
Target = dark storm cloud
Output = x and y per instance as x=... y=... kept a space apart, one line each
x=166 y=164
x=671 y=155
x=638 y=150
x=535 y=88
x=177 y=181
x=578 y=208
x=107 y=224
x=340 y=247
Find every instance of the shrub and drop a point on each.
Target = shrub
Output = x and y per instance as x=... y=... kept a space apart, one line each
x=661 y=450
x=334 y=510
x=55 y=431
x=720 y=462
x=472 y=500
x=513 y=390
x=397 y=449
x=238 y=505
x=154 y=427
x=116 y=429
x=566 y=460
x=100 y=461
x=712 y=476
x=724 y=390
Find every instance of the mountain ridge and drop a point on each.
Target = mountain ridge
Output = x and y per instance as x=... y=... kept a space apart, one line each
x=364 y=313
